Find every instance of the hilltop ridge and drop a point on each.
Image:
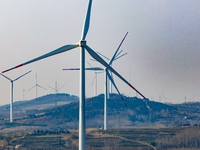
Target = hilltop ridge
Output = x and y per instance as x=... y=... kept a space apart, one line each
x=62 y=111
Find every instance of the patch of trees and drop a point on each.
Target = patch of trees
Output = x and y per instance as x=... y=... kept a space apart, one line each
x=45 y=132
x=187 y=138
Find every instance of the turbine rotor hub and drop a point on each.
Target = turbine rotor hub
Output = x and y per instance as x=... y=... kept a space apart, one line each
x=82 y=43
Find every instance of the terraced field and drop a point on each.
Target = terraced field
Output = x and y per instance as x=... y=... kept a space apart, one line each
x=113 y=139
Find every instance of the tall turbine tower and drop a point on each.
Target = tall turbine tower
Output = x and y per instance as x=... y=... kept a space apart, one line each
x=12 y=92
x=83 y=46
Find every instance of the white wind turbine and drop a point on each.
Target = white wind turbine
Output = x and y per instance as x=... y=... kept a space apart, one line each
x=83 y=46
x=163 y=96
x=106 y=76
x=115 y=57
x=95 y=79
x=57 y=88
x=12 y=92
x=36 y=86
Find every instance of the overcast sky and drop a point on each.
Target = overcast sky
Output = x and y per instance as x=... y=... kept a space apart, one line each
x=163 y=46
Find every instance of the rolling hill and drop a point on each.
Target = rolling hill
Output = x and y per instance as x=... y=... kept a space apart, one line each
x=62 y=111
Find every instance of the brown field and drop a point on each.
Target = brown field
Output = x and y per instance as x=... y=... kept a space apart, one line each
x=112 y=139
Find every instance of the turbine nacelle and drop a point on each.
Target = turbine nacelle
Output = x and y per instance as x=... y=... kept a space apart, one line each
x=82 y=43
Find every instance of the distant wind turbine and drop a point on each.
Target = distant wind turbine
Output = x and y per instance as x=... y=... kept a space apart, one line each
x=106 y=87
x=36 y=86
x=83 y=46
x=115 y=57
x=109 y=84
x=95 y=79
x=12 y=92
x=57 y=88
x=191 y=99
x=163 y=96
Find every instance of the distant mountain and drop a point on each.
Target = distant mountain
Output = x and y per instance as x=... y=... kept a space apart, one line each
x=40 y=103
x=139 y=112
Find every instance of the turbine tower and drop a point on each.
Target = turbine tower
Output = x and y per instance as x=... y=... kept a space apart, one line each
x=12 y=93
x=36 y=87
x=83 y=46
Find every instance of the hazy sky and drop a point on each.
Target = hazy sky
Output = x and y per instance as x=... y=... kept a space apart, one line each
x=163 y=46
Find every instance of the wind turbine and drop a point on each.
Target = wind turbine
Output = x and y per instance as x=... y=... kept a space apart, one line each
x=95 y=79
x=191 y=99
x=57 y=88
x=12 y=92
x=115 y=57
x=36 y=86
x=106 y=76
x=83 y=46
x=163 y=96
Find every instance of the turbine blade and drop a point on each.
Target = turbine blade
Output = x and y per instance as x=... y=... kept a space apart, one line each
x=113 y=82
x=111 y=61
x=57 y=51
x=103 y=55
x=89 y=64
x=93 y=68
x=94 y=79
x=193 y=96
x=61 y=87
x=71 y=69
x=120 y=56
x=99 y=59
x=87 y=21
x=6 y=77
x=41 y=87
x=51 y=88
x=22 y=75
x=93 y=59
x=32 y=88
x=119 y=53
